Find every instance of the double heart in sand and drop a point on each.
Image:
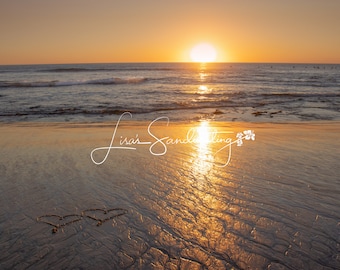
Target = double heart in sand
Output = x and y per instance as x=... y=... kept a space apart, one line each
x=97 y=214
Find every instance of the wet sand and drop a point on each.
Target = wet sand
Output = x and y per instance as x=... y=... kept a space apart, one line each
x=274 y=205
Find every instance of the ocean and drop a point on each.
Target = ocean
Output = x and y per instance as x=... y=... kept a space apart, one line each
x=181 y=91
x=176 y=195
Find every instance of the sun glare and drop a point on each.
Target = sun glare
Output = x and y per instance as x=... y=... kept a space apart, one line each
x=203 y=134
x=203 y=53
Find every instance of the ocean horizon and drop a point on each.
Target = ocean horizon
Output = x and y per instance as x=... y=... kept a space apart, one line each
x=260 y=92
x=217 y=166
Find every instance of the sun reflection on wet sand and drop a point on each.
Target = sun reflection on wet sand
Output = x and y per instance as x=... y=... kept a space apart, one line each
x=203 y=158
x=195 y=205
x=210 y=217
x=262 y=211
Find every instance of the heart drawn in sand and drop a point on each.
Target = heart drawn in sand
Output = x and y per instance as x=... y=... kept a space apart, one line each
x=103 y=215
x=97 y=214
x=58 y=221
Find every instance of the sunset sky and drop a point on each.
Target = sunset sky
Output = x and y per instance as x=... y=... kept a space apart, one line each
x=88 y=31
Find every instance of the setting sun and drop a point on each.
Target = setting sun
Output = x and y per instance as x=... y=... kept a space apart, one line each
x=203 y=52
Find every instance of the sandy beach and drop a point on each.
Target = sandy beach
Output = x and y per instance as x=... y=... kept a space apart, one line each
x=186 y=197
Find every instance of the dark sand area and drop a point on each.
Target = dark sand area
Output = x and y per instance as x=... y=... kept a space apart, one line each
x=275 y=205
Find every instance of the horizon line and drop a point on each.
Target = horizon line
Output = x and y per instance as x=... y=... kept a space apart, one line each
x=174 y=62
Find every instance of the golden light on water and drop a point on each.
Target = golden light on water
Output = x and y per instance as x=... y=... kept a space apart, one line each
x=203 y=88
x=203 y=76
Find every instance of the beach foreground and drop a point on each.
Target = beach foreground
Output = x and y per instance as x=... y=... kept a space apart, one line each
x=185 y=198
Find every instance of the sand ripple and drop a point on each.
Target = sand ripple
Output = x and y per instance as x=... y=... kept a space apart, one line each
x=275 y=206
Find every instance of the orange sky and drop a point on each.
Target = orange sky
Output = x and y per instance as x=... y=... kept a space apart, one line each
x=83 y=31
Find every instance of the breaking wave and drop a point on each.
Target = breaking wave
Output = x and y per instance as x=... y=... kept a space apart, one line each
x=56 y=83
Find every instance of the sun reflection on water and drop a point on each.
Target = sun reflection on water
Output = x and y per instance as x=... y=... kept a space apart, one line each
x=203 y=74
x=204 y=89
